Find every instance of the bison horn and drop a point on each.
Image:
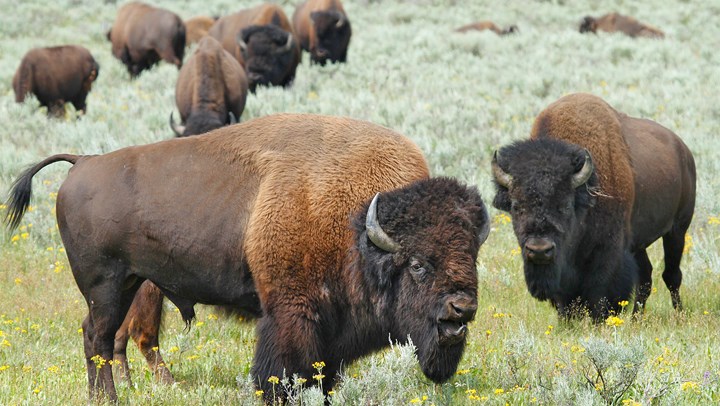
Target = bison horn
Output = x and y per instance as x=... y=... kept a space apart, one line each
x=288 y=44
x=231 y=118
x=501 y=177
x=375 y=233
x=341 y=21
x=584 y=173
x=179 y=130
x=242 y=44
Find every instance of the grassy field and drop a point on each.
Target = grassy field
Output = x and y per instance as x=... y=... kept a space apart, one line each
x=459 y=97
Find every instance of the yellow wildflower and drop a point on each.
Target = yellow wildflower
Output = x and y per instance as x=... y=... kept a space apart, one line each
x=499 y=391
x=274 y=380
x=318 y=364
x=614 y=321
x=688 y=385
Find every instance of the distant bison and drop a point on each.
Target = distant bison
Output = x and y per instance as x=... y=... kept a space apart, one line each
x=263 y=41
x=488 y=25
x=323 y=30
x=142 y=35
x=196 y=28
x=279 y=209
x=211 y=90
x=614 y=22
x=589 y=191
x=56 y=75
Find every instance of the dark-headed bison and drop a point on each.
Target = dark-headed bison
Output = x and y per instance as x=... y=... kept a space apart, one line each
x=488 y=25
x=615 y=22
x=263 y=41
x=323 y=30
x=56 y=75
x=588 y=193
x=142 y=35
x=211 y=90
x=331 y=222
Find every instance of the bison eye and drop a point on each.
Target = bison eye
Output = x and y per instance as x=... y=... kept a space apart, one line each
x=417 y=267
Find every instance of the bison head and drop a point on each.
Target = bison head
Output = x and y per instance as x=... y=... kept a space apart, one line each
x=418 y=247
x=333 y=31
x=588 y=24
x=200 y=122
x=547 y=187
x=268 y=52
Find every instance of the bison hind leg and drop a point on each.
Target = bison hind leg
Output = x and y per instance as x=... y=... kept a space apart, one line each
x=674 y=245
x=644 y=279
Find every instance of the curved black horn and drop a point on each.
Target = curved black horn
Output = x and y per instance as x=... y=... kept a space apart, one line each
x=501 y=177
x=288 y=44
x=179 y=130
x=584 y=173
x=231 y=118
x=485 y=231
x=375 y=233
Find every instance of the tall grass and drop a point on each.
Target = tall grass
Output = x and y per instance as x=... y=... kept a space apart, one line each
x=459 y=96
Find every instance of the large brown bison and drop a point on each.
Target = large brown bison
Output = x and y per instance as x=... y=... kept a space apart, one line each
x=323 y=30
x=142 y=35
x=211 y=90
x=56 y=75
x=263 y=41
x=488 y=25
x=279 y=209
x=196 y=28
x=615 y=22
x=588 y=193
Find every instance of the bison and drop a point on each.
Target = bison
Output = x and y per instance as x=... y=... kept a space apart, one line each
x=56 y=75
x=211 y=90
x=588 y=193
x=142 y=35
x=263 y=41
x=330 y=223
x=615 y=22
x=323 y=30
x=196 y=28
x=488 y=25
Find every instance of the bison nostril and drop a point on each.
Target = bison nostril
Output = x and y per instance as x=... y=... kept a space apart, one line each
x=540 y=249
x=463 y=312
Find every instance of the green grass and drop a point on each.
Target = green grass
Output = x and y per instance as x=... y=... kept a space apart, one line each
x=459 y=97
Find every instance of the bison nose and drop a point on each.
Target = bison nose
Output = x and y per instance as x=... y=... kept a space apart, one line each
x=540 y=250
x=462 y=311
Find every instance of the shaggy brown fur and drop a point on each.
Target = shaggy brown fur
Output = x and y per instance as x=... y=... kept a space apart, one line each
x=210 y=85
x=615 y=22
x=323 y=29
x=142 y=35
x=487 y=25
x=196 y=28
x=277 y=209
x=56 y=75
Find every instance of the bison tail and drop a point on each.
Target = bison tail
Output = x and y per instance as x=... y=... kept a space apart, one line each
x=179 y=43
x=22 y=83
x=21 y=191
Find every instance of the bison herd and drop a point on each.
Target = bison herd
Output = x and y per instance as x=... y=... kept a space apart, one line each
x=331 y=231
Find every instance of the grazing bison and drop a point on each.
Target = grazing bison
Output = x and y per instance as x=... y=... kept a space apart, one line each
x=211 y=90
x=263 y=41
x=323 y=30
x=56 y=75
x=488 y=25
x=614 y=22
x=276 y=209
x=588 y=193
x=196 y=28
x=142 y=35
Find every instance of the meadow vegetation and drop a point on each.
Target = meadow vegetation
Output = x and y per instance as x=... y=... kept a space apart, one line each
x=459 y=97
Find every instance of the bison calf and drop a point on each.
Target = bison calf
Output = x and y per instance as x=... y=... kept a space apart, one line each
x=323 y=30
x=331 y=224
x=211 y=90
x=588 y=193
x=615 y=22
x=142 y=35
x=56 y=75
